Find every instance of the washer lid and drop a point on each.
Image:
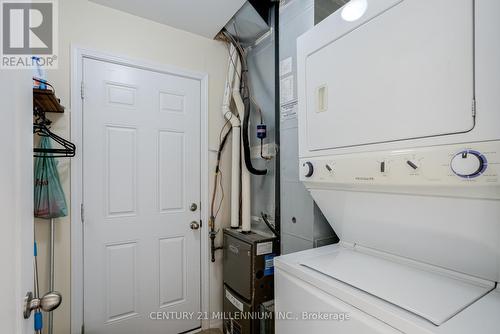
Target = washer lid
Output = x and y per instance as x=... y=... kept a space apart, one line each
x=431 y=295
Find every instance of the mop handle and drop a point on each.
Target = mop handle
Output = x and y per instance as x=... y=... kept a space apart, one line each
x=38 y=315
x=38 y=322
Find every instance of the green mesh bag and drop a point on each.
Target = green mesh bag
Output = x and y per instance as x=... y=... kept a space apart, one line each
x=50 y=201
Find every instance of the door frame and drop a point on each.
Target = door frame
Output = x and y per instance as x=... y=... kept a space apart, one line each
x=77 y=55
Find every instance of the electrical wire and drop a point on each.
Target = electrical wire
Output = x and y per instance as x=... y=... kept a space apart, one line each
x=224 y=126
x=256 y=106
x=217 y=179
x=266 y=221
x=252 y=99
x=245 y=93
x=218 y=173
x=222 y=194
x=233 y=63
x=242 y=52
x=220 y=176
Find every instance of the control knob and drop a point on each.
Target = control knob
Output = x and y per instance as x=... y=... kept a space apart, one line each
x=468 y=164
x=307 y=169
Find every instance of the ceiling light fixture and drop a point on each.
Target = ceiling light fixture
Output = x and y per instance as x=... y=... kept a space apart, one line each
x=354 y=10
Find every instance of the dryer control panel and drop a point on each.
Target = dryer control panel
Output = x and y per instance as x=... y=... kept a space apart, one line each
x=460 y=170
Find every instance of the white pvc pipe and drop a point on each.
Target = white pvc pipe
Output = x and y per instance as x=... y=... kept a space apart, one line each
x=235 y=179
x=236 y=130
x=245 y=174
x=245 y=198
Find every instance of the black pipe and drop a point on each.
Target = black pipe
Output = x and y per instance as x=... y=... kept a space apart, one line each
x=246 y=142
x=212 y=244
x=213 y=248
x=277 y=126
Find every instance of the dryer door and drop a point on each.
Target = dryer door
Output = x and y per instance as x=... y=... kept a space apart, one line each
x=406 y=71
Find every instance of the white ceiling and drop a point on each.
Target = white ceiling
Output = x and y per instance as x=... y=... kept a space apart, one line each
x=202 y=17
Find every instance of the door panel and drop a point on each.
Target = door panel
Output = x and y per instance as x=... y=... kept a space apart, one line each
x=406 y=73
x=16 y=199
x=172 y=282
x=141 y=169
x=121 y=282
x=171 y=170
x=121 y=171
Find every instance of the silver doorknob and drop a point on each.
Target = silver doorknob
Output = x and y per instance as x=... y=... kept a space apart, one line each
x=194 y=225
x=48 y=303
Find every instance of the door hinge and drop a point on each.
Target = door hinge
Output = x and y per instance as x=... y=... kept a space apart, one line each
x=473 y=107
x=82 y=90
x=82 y=213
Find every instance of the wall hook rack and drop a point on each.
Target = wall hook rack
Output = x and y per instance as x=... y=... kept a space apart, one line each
x=44 y=101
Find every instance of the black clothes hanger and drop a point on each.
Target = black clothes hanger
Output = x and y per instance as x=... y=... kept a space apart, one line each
x=68 y=149
x=41 y=128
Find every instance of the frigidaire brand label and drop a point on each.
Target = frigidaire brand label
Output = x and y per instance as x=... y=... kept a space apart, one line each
x=363 y=178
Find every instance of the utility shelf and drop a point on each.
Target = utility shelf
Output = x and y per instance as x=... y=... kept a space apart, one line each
x=45 y=100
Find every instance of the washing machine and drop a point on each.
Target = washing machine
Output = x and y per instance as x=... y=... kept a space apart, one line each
x=399 y=145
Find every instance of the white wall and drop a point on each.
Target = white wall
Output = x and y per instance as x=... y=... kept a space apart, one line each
x=103 y=29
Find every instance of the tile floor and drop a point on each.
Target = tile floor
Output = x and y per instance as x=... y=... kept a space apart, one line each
x=211 y=331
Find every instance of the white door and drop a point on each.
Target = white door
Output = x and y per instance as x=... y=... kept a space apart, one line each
x=141 y=173
x=16 y=199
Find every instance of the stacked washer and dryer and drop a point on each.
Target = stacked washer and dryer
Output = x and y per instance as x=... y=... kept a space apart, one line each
x=399 y=144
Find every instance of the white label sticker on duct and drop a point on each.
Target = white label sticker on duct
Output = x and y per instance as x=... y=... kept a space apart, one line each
x=234 y=301
x=264 y=248
x=286 y=89
x=289 y=110
x=285 y=66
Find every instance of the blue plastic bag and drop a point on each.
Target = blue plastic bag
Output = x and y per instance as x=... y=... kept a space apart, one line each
x=50 y=201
